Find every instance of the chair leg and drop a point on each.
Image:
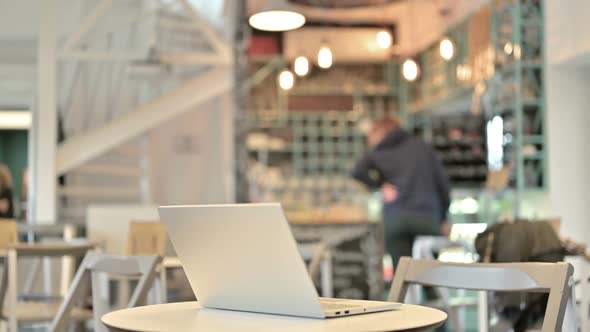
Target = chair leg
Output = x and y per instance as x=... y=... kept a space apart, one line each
x=12 y=291
x=454 y=320
x=100 y=303
x=585 y=297
x=163 y=285
x=570 y=320
x=483 y=313
x=154 y=295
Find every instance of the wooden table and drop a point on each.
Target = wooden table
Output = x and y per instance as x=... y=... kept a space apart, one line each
x=189 y=316
x=9 y=257
x=356 y=248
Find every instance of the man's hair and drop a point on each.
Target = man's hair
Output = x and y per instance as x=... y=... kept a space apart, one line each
x=385 y=124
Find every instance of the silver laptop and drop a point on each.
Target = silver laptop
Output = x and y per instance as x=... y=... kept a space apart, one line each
x=243 y=257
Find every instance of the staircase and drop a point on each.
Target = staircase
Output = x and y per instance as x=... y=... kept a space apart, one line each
x=113 y=178
x=107 y=108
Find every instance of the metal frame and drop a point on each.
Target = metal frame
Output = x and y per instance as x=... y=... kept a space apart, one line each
x=519 y=47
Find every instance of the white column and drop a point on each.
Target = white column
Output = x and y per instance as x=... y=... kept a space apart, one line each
x=42 y=138
x=568 y=116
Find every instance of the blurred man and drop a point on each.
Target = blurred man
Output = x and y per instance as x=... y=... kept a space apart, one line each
x=414 y=186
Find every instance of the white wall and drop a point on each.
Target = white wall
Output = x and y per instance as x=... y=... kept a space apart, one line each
x=191 y=157
x=568 y=117
x=567 y=30
x=568 y=114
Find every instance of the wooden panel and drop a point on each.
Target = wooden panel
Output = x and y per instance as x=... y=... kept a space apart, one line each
x=264 y=45
x=320 y=103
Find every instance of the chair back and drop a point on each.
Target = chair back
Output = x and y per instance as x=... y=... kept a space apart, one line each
x=8 y=233
x=553 y=278
x=147 y=238
x=8 y=237
x=94 y=264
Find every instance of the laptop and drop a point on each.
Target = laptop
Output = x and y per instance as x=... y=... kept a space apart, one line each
x=244 y=257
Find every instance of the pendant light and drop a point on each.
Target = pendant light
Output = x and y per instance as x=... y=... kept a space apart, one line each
x=301 y=66
x=276 y=15
x=325 y=57
x=384 y=39
x=447 y=49
x=286 y=80
x=410 y=70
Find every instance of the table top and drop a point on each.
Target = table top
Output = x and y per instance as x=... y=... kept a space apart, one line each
x=189 y=316
x=54 y=248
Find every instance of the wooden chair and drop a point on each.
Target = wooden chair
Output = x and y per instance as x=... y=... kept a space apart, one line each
x=32 y=311
x=8 y=233
x=553 y=278
x=149 y=238
x=8 y=237
x=141 y=267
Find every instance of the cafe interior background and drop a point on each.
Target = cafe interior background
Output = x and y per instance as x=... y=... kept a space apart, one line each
x=110 y=108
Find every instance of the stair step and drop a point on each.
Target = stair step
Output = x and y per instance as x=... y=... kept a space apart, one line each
x=111 y=170
x=108 y=192
x=69 y=213
x=127 y=150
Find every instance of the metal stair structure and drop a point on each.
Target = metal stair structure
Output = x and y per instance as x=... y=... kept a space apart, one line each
x=165 y=61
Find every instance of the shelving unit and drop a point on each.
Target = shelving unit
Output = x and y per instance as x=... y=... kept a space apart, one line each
x=461 y=145
x=518 y=89
x=314 y=163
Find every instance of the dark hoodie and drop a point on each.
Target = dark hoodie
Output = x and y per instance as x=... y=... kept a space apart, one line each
x=413 y=167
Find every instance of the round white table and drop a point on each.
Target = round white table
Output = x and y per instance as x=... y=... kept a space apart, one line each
x=189 y=316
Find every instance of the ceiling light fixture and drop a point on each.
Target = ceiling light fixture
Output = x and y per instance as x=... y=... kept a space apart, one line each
x=301 y=66
x=276 y=15
x=384 y=39
x=15 y=119
x=325 y=57
x=410 y=70
x=286 y=80
x=447 y=49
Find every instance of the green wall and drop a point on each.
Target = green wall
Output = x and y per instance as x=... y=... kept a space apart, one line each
x=14 y=153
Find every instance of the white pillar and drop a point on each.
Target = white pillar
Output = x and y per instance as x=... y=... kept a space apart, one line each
x=43 y=133
x=568 y=117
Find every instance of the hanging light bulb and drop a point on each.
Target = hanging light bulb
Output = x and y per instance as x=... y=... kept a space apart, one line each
x=508 y=48
x=517 y=51
x=384 y=39
x=301 y=66
x=276 y=15
x=410 y=70
x=286 y=80
x=447 y=49
x=325 y=57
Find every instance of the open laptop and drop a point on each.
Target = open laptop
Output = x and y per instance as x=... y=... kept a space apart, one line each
x=244 y=257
